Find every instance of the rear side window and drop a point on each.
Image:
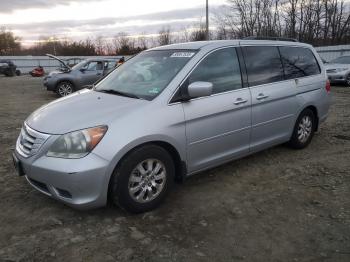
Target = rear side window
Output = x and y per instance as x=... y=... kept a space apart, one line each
x=263 y=64
x=298 y=62
x=221 y=68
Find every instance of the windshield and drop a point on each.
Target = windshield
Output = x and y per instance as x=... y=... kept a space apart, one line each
x=147 y=74
x=79 y=65
x=341 y=60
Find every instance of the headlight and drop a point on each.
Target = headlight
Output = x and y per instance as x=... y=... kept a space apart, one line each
x=77 y=144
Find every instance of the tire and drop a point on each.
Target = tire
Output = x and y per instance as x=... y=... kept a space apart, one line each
x=18 y=72
x=348 y=80
x=136 y=192
x=10 y=72
x=304 y=130
x=64 y=88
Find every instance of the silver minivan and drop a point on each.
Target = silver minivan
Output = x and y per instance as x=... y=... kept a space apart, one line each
x=168 y=113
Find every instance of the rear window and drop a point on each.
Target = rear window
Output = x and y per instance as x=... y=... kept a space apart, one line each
x=298 y=62
x=263 y=64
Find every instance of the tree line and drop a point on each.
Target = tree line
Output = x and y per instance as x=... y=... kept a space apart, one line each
x=318 y=22
x=120 y=44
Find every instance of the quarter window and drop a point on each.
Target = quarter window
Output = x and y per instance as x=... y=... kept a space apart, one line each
x=298 y=62
x=221 y=68
x=263 y=64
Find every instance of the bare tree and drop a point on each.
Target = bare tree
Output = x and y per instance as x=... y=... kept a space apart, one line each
x=199 y=33
x=100 y=45
x=9 y=43
x=142 y=41
x=314 y=21
x=164 y=36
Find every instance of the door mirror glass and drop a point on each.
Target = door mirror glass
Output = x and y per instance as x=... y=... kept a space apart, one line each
x=200 y=89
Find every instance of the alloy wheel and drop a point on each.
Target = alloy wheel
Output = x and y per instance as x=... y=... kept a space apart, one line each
x=147 y=180
x=304 y=129
x=65 y=89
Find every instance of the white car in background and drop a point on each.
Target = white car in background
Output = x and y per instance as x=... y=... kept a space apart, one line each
x=338 y=70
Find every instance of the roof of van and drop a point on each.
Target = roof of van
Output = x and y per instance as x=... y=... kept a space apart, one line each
x=219 y=43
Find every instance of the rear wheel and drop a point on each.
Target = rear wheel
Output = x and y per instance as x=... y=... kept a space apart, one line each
x=304 y=130
x=142 y=179
x=65 y=88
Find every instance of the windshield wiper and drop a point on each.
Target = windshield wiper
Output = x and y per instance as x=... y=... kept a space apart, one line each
x=119 y=93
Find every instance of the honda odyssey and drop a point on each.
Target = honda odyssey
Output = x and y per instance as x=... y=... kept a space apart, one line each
x=168 y=113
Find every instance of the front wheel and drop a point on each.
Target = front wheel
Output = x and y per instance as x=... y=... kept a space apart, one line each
x=65 y=88
x=304 y=130
x=142 y=179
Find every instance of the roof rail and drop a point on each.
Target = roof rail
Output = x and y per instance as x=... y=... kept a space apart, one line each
x=270 y=38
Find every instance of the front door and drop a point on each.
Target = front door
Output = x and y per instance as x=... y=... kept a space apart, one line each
x=217 y=126
x=92 y=72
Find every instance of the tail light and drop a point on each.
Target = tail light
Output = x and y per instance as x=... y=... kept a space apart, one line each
x=328 y=86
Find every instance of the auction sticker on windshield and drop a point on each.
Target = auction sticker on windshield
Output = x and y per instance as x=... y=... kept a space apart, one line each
x=182 y=54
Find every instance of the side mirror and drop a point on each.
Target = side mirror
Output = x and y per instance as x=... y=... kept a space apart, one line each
x=200 y=89
x=82 y=70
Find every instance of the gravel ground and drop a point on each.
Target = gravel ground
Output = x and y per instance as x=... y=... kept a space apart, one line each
x=276 y=205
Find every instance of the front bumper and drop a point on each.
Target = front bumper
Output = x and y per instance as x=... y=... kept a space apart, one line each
x=49 y=84
x=80 y=183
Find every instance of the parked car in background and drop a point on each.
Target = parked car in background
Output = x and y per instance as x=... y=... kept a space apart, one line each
x=338 y=70
x=67 y=80
x=8 y=68
x=171 y=112
x=37 y=72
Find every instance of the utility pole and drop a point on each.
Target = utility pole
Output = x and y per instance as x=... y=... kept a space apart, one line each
x=207 y=20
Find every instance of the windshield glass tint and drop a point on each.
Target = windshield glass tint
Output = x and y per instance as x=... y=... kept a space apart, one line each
x=147 y=74
x=341 y=60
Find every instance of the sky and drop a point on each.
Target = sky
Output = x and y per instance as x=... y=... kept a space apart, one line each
x=79 y=19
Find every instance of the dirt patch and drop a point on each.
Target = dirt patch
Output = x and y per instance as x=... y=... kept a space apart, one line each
x=276 y=205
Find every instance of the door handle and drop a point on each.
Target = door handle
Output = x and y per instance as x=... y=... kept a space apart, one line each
x=240 y=101
x=261 y=96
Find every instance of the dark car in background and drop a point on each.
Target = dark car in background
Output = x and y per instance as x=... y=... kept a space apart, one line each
x=66 y=80
x=8 y=68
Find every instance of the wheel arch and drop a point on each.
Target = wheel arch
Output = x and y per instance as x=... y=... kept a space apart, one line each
x=65 y=80
x=180 y=165
x=313 y=108
x=315 y=111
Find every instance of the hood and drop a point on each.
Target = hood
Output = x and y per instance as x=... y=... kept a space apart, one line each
x=334 y=66
x=83 y=109
x=59 y=60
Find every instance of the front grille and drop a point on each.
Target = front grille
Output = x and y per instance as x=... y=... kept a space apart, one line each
x=30 y=141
